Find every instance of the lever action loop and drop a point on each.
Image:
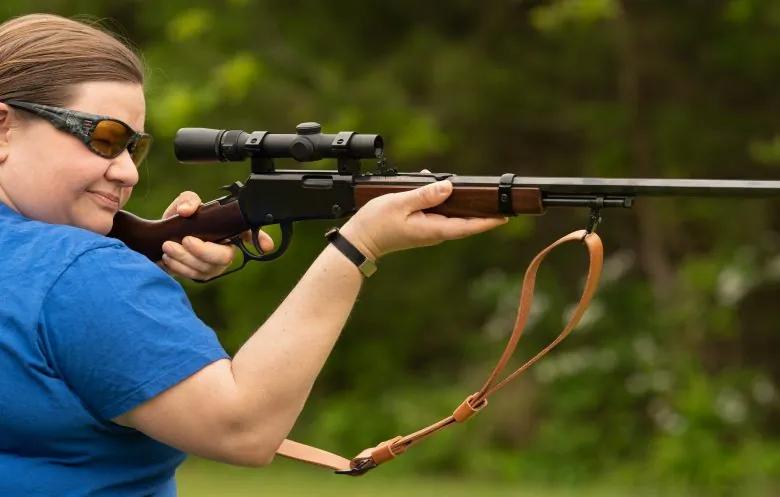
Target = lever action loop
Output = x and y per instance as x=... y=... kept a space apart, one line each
x=370 y=458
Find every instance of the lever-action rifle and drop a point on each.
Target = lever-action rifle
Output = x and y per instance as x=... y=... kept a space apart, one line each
x=270 y=196
x=283 y=197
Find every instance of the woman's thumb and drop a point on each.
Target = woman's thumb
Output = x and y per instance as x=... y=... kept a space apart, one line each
x=427 y=196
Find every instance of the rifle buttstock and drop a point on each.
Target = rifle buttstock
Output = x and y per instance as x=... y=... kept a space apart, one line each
x=212 y=222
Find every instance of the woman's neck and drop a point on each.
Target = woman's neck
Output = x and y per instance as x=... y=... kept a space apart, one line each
x=5 y=199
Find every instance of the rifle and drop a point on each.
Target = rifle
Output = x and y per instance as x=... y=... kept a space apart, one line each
x=270 y=197
x=283 y=197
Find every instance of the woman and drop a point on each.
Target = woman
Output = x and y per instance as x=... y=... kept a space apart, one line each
x=107 y=377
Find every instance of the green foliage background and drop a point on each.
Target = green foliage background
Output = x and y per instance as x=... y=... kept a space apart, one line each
x=673 y=377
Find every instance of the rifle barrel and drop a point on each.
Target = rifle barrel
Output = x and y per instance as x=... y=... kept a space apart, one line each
x=646 y=187
x=653 y=187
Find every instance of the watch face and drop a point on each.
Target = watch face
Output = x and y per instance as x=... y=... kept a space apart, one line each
x=368 y=267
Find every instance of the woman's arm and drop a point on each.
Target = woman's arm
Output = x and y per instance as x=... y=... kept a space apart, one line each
x=240 y=411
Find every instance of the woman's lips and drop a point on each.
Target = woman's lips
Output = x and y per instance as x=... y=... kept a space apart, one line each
x=106 y=199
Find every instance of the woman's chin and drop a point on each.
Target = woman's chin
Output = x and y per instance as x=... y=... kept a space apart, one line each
x=100 y=223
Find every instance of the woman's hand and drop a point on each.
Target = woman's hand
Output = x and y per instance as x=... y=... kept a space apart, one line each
x=396 y=222
x=197 y=259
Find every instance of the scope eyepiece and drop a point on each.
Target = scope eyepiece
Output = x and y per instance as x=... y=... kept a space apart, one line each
x=199 y=145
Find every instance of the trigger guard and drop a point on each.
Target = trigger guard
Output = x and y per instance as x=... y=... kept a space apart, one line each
x=248 y=256
x=287 y=233
x=238 y=242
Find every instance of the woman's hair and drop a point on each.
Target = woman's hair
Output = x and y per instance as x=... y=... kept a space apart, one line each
x=43 y=57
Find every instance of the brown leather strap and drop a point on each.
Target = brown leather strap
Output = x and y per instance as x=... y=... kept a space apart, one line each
x=389 y=449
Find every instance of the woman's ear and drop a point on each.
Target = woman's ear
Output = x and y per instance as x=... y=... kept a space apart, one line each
x=5 y=128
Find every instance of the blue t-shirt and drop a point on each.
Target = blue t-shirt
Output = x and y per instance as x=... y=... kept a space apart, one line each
x=89 y=329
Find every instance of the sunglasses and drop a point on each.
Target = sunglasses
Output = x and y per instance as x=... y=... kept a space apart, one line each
x=105 y=136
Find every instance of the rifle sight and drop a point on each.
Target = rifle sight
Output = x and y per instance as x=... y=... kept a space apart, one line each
x=308 y=144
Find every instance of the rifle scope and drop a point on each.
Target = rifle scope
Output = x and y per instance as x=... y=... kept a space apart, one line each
x=198 y=145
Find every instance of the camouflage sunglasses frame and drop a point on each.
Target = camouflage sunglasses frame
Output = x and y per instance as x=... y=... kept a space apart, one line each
x=83 y=125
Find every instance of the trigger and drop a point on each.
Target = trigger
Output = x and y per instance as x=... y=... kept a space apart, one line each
x=256 y=240
x=237 y=241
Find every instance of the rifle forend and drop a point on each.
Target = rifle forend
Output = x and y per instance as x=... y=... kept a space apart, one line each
x=270 y=196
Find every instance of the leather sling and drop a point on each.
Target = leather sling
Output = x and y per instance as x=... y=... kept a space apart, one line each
x=372 y=457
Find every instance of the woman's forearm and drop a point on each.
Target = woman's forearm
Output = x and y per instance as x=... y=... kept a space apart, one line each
x=275 y=369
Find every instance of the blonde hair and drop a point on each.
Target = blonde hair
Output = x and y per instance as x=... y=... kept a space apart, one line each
x=43 y=57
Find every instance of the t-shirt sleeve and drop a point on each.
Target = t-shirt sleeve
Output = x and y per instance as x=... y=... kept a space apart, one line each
x=120 y=330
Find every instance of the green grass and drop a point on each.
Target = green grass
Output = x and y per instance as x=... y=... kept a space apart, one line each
x=199 y=478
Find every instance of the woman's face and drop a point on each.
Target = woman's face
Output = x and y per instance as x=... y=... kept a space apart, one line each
x=51 y=176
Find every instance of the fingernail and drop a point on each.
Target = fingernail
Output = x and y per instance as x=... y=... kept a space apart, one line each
x=441 y=188
x=185 y=205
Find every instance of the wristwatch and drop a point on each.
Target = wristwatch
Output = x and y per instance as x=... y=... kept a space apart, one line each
x=366 y=266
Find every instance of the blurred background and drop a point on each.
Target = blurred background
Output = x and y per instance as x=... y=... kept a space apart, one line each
x=669 y=385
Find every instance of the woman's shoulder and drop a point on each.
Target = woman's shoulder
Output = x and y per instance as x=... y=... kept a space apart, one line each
x=51 y=249
x=61 y=241
x=44 y=263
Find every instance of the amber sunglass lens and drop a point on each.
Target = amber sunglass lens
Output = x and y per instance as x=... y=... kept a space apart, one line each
x=110 y=138
x=140 y=149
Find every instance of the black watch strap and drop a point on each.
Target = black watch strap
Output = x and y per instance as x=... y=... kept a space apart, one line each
x=366 y=266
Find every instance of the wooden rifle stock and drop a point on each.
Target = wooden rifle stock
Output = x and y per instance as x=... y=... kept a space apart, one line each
x=212 y=222
x=221 y=219
x=465 y=201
